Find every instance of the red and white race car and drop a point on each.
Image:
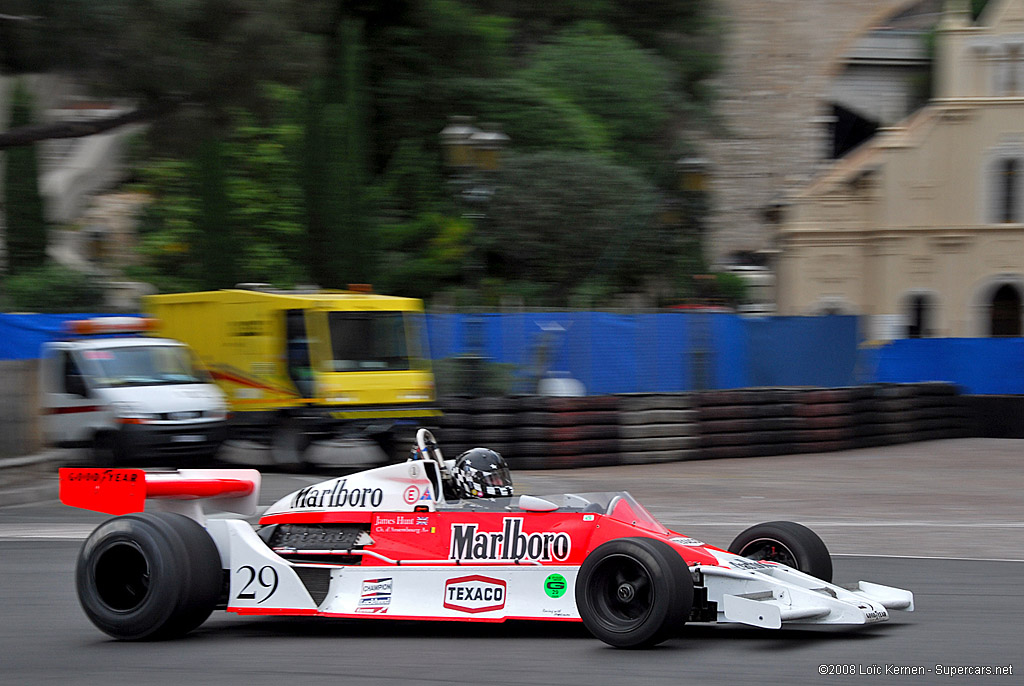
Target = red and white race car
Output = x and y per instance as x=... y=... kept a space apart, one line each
x=395 y=543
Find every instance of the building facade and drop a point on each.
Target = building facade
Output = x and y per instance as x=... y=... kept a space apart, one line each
x=787 y=64
x=921 y=228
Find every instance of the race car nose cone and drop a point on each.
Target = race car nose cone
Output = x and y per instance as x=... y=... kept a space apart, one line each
x=626 y=592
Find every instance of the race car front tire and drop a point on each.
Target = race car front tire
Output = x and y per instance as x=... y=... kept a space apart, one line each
x=788 y=543
x=634 y=592
x=148 y=576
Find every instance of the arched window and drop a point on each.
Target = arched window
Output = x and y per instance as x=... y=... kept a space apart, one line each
x=1008 y=180
x=1005 y=311
x=919 y=316
x=1003 y=183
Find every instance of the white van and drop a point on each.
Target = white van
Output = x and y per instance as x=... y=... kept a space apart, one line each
x=128 y=397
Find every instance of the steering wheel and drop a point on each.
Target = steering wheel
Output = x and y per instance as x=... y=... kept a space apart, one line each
x=427 y=449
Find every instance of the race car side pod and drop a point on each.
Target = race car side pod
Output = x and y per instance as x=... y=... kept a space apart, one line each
x=185 y=491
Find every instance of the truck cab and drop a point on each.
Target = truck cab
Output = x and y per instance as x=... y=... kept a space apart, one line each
x=128 y=397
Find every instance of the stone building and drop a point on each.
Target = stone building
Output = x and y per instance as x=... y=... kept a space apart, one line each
x=801 y=82
x=921 y=228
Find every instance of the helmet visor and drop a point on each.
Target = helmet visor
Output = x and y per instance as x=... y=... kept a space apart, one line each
x=497 y=477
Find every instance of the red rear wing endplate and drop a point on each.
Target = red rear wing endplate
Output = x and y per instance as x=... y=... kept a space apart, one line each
x=120 y=491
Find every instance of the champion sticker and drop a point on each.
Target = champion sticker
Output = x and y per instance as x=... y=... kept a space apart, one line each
x=375 y=597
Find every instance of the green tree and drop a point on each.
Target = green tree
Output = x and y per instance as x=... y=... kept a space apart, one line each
x=535 y=117
x=23 y=205
x=340 y=245
x=424 y=255
x=53 y=288
x=259 y=199
x=614 y=81
x=571 y=221
x=183 y=62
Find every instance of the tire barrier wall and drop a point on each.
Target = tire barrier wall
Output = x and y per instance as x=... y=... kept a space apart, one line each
x=538 y=432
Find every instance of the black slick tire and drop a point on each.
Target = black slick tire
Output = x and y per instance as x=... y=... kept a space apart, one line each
x=634 y=592
x=788 y=543
x=148 y=576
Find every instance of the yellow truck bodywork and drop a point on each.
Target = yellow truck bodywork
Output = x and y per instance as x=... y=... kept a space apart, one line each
x=335 y=356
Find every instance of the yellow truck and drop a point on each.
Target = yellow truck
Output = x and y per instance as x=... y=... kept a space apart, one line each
x=298 y=365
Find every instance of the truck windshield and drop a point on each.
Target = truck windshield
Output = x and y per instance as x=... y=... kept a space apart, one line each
x=373 y=341
x=144 y=365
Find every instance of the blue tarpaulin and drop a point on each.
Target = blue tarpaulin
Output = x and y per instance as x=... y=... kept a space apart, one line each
x=657 y=352
x=607 y=352
x=22 y=335
x=982 y=366
x=802 y=351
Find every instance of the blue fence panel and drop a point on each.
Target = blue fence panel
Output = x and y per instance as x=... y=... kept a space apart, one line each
x=732 y=352
x=613 y=353
x=621 y=353
x=982 y=366
x=22 y=335
x=802 y=351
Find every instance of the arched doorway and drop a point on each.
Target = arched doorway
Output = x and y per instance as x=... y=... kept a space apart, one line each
x=1005 y=311
x=919 y=315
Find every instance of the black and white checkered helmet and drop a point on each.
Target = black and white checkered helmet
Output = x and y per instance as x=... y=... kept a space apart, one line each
x=482 y=473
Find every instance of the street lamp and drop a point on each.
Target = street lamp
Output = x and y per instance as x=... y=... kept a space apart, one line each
x=693 y=174
x=456 y=141
x=488 y=143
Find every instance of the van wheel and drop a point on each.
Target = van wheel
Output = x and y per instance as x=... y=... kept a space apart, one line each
x=148 y=576
x=107 y=450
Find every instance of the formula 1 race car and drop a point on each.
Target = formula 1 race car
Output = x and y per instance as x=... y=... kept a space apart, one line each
x=436 y=539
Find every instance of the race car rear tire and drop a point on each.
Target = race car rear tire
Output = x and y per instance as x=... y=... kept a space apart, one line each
x=788 y=543
x=148 y=576
x=634 y=592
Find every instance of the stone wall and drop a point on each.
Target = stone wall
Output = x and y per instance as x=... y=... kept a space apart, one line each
x=19 y=408
x=779 y=63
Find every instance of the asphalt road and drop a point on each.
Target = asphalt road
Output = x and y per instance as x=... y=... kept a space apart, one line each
x=967 y=615
x=954 y=499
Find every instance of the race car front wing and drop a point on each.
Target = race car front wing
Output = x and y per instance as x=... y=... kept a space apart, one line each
x=774 y=594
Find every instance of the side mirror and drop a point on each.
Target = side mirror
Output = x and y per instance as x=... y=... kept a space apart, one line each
x=531 y=503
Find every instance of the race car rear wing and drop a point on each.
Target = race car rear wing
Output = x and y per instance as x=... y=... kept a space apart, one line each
x=186 y=491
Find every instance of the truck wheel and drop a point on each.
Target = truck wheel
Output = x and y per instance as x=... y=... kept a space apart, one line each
x=148 y=576
x=788 y=543
x=107 y=449
x=288 y=444
x=634 y=592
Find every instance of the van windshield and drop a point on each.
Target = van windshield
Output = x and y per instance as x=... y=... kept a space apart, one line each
x=143 y=365
x=374 y=341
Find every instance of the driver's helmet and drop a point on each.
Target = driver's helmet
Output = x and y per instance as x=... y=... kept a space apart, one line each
x=482 y=473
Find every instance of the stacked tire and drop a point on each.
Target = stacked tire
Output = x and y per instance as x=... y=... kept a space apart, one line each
x=565 y=432
x=881 y=414
x=657 y=427
x=542 y=432
x=534 y=432
x=938 y=412
x=825 y=420
x=470 y=422
x=746 y=422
